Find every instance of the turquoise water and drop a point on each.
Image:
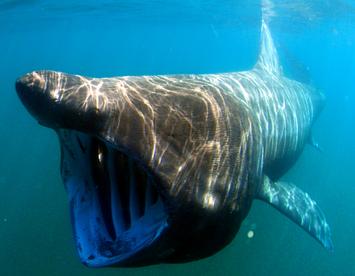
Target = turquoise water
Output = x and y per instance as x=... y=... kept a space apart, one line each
x=315 y=40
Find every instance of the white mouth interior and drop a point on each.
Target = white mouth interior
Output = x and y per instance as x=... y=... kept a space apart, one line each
x=116 y=209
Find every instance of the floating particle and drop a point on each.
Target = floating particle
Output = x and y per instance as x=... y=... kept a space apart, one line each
x=250 y=234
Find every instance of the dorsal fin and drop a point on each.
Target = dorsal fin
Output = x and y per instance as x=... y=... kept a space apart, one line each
x=268 y=57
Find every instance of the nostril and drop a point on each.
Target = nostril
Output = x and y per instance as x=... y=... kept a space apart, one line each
x=34 y=81
x=20 y=85
x=31 y=89
x=25 y=84
x=24 y=90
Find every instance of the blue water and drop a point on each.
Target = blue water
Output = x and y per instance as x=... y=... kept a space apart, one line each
x=316 y=43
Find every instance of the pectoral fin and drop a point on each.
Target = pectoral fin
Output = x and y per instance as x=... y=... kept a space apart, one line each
x=299 y=207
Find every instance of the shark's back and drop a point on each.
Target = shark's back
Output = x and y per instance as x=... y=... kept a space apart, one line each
x=283 y=109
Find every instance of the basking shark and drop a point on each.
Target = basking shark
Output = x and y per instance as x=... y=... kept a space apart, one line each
x=165 y=168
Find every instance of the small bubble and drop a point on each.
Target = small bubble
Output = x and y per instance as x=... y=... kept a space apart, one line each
x=250 y=234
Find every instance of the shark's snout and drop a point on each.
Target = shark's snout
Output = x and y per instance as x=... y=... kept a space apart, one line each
x=31 y=82
x=21 y=83
x=58 y=100
x=31 y=89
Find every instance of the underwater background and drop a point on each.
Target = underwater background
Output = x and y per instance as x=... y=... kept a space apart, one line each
x=316 y=44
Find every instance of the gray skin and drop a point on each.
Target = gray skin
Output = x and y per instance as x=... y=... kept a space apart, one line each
x=212 y=143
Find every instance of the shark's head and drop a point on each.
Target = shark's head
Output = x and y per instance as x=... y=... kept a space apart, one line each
x=150 y=175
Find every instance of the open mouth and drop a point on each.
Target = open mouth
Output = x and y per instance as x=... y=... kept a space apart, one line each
x=116 y=209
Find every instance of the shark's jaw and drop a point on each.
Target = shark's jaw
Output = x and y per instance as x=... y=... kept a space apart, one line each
x=116 y=209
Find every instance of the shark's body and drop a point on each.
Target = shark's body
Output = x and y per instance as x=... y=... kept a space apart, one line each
x=165 y=168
